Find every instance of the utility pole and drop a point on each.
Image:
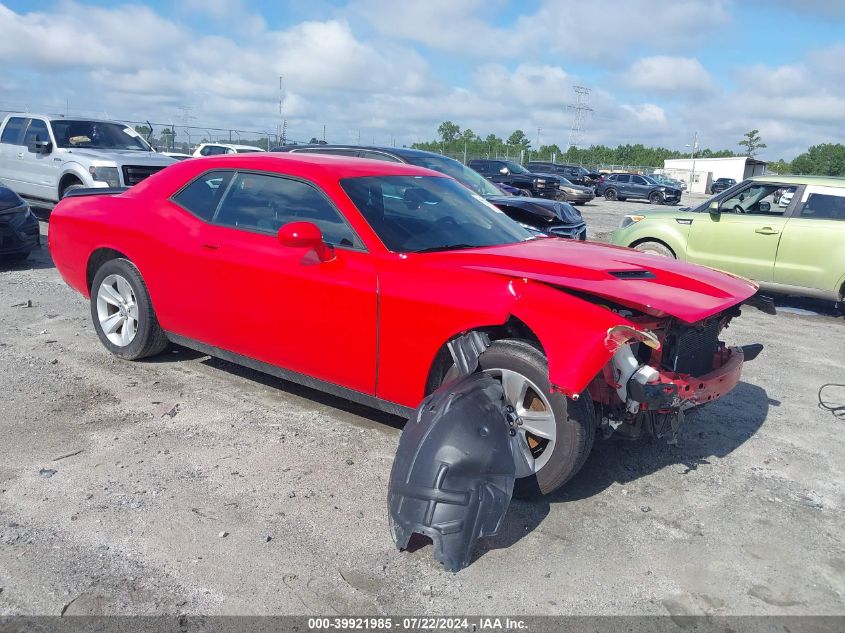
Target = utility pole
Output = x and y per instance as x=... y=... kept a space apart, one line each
x=580 y=111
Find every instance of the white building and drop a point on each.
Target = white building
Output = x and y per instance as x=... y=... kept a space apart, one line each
x=709 y=169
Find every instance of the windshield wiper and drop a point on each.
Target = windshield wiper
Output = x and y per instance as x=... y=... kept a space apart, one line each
x=445 y=247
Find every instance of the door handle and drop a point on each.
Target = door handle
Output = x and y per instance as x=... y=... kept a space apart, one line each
x=20 y=155
x=211 y=247
x=766 y=230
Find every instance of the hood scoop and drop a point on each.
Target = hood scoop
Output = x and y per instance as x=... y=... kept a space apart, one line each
x=632 y=274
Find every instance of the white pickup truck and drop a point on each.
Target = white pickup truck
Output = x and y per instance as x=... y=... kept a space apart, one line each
x=43 y=157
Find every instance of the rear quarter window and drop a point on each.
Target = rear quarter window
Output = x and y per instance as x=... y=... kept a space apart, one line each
x=824 y=207
x=202 y=196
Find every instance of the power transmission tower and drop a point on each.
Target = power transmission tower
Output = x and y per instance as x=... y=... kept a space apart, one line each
x=580 y=111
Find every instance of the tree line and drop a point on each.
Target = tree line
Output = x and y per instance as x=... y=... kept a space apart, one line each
x=827 y=159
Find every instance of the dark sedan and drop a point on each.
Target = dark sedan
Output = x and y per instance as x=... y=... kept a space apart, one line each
x=572 y=193
x=19 y=233
x=720 y=184
x=552 y=217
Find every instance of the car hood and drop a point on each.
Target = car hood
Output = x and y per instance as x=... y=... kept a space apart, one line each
x=541 y=207
x=123 y=156
x=652 y=284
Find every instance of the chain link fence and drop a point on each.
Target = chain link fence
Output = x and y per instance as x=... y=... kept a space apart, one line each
x=175 y=137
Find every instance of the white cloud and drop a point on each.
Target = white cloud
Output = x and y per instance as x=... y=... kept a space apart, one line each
x=132 y=62
x=680 y=77
x=85 y=37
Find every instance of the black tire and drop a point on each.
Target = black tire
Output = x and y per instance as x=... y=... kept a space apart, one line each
x=149 y=338
x=610 y=194
x=656 y=248
x=574 y=419
x=655 y=198
x=73 y=185
x=526 y=192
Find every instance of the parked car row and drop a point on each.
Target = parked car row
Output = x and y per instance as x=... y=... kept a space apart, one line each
x=547 y=215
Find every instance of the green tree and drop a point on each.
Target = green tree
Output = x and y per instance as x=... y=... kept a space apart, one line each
x=780 y=167
x=143 y=130
x=751 y=141
x=448 y=131
x=827 y=159
x=519 y=140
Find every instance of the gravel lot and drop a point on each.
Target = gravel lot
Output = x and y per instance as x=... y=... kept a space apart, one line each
x=186 y=484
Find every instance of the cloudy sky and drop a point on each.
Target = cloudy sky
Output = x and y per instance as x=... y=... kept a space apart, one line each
x=392 y=70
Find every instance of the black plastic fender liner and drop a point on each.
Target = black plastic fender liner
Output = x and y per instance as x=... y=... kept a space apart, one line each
x=453 y=475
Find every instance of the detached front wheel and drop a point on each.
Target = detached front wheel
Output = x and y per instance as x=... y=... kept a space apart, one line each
x=123 y=313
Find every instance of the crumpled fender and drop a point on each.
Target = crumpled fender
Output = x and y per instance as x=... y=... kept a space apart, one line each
x=453 y=474
x=572 y=331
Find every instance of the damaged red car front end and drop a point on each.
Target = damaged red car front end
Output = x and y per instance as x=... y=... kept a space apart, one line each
x=663 y=368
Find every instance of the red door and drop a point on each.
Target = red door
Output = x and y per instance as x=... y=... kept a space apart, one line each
x=282 y=306
x=273 y=303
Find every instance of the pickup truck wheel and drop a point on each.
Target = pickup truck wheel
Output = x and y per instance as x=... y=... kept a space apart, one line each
x=655 y=248
x=610 y=194
x=122 y=312
x=71 y=187
x=655 y=198
x=526 y=192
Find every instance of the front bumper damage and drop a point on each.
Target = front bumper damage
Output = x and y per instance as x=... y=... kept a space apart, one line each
x=650 y=391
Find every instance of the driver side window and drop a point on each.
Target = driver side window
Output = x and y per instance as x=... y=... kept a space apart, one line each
x=757 y=199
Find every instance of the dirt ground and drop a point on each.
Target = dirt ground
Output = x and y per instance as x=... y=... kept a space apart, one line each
x=185 y=484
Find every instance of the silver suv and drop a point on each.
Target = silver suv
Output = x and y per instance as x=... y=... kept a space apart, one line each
x=43 y=157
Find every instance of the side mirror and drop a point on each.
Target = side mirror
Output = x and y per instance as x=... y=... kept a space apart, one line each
x=764 y=207
x=504 y=171
x=39 y=147
x=714 y=208
x=305 y=235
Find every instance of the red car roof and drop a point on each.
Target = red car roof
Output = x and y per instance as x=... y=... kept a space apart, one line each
x=307 y=165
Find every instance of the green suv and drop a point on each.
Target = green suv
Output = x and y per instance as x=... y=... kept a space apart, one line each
x=792 y=244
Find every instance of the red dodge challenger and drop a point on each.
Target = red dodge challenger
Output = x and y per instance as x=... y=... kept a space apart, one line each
x=361 y=278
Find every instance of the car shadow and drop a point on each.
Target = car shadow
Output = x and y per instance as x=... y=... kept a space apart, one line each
x=710 y=432
x=38 y=259
x=177 y=353
x=807 y=306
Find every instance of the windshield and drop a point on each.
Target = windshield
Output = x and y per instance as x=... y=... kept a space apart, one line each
x=460 y=172
x=97 y=135
x=427 y=213
x=249 y=150
x=651 y=180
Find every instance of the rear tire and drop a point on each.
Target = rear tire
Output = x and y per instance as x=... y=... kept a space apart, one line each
x=655 y=248
x=610 y=194
x=123 y=313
